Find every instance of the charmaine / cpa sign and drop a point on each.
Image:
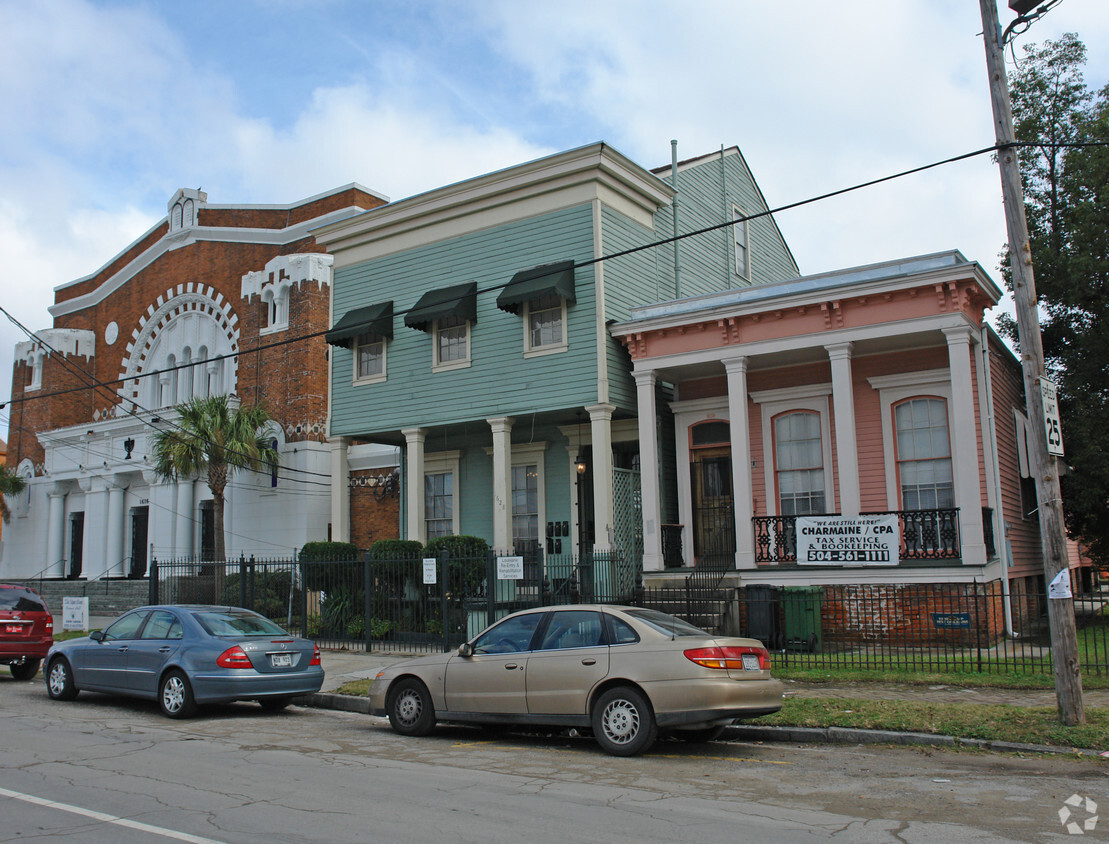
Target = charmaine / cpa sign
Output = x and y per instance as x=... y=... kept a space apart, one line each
x=848 y=540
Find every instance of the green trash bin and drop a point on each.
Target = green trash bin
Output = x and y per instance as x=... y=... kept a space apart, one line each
x=801 y=607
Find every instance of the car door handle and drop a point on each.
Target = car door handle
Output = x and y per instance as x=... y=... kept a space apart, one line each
x=123 y=649
x=510 y=666
x=588 y=661
x=165 y=649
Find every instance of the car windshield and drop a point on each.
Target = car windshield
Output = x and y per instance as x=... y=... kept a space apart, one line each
x=666 y=624
x=237 y=623
x=21 y=600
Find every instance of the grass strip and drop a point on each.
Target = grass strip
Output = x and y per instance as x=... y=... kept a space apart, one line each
x=968 y=679
x=1030 y=725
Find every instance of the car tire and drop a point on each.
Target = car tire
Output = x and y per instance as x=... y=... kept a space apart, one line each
x=175 y=696
x=701 y=735
x=59 y=680
x=274 y=704
x=411 y=711
x=623 y=722
x=27 y=669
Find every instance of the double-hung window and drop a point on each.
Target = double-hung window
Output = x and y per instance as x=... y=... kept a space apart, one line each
x=924 y=454
x=546 y=317
x=452 y=342
x=525 y=503
x=439 y=504
x=799 y=464
x=369 y=357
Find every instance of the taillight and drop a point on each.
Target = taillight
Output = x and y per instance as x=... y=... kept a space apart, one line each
x=315 y=656
x=50 y=624
x=234 y=657
x=731 y=657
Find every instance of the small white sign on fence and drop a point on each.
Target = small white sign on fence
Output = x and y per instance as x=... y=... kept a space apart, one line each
x=510 y=568
x=75 y=613
x=431 y=571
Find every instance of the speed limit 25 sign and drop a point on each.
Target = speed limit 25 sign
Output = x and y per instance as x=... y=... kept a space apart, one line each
x=1051 y=418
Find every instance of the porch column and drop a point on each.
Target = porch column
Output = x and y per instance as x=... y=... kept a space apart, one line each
x=96 y=522
x=340 y=490
x=742 y=497
x=183 y=533
x=55 y=536
x=162 y=525
x=502 y=483
x=847 y=450
x=414 y=484
x=600 y=429
x=114 y=542
x=964 y=446
x=649 y=471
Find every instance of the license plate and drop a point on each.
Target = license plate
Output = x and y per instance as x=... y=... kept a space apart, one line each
x=281 y=660
x=13 y=628
x=750 y=662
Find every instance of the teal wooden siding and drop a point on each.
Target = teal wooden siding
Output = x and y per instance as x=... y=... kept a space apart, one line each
x=500 y=380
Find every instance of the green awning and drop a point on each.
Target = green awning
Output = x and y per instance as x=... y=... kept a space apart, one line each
x=457 y=301
x=547 y=280
x=372 y=319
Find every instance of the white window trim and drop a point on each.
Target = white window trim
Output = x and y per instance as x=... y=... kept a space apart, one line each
x=437 y=464
x=813 y=398
x=464 y=363
x=531 y=351
x=743 y=272
x=892 y=389
x=369 y=379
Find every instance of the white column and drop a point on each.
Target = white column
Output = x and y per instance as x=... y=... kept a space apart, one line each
x=414 y=487
x=600 y=429
x=502 y=483
x=742 y=496
x=847 y=452
x=340 y=490
x=94 y=562
x=185 y=527
x=114 y=563
x=964 y=446
x=162 y=528
x=650 y=488
x=55 y=537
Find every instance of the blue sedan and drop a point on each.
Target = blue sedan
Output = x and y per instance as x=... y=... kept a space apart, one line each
x=182 y=656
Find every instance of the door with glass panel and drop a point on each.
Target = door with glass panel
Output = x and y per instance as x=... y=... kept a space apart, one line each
x=713 y=501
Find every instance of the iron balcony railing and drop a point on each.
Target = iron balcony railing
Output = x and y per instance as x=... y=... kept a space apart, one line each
x=925 y=535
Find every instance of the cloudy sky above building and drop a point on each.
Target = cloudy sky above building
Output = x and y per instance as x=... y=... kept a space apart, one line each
x=112 y=106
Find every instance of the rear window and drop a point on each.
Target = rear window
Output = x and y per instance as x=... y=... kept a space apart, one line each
x=237 y=623
x=667 y=624
x=21 y=600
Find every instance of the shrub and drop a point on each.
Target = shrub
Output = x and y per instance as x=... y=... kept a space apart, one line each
x=330 y=565
x=468 y=561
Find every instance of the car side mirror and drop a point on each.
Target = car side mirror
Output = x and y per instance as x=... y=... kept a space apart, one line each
x=97 y=635
x=465 y=649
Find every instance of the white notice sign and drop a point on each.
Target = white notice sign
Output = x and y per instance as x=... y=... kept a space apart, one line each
x=510 y=568
x=75 y=613
x=1059 y=588
x=1051 y=418
x=848 y=540
x=430 y=571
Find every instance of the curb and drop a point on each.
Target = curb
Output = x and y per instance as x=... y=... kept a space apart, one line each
x=794 y=735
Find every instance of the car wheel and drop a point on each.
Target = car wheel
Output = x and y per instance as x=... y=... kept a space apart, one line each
x=175 y=696
x=25 y=670
x=274 y=704
x=623 y=722
x=411 y=712
x=701 y=735
x=59 y=680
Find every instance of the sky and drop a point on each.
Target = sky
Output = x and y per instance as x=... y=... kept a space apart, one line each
x=110 y=107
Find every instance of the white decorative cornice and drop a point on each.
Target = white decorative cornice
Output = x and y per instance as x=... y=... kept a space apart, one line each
x=286 y=271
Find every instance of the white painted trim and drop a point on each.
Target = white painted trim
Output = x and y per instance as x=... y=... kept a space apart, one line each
x=814 y=402
x=891 y=395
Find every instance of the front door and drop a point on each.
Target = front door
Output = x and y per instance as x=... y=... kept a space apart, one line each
x=76 y=544
x=140 y=524
x=713 y=506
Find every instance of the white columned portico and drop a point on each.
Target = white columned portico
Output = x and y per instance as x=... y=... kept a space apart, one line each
x=183 y=532
x=414 y=483
x=502 y=483
x=742 y=497
x=650 y=493
x=93 y=561
x=114 y=543
x=847 y=451
x=964 y=446
x=55 y=536
x=340 y=490
x=600 y=429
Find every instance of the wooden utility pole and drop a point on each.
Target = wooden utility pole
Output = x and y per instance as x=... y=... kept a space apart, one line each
x=1064 y=639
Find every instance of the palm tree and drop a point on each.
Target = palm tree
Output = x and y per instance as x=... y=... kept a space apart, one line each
x=10 y=484
x=213 y=437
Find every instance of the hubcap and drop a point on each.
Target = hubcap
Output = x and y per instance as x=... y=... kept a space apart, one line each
x=173 y=695
x=409 y=707
x=621 y=721
x=57 y=679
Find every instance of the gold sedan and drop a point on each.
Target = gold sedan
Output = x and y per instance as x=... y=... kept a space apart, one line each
x=623 y=672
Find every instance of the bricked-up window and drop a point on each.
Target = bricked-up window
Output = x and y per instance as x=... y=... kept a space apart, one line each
x=439 y=504
x=546 y=317
x=525 y=503
x=799 y=464
x=924 y=454
x=452 y=341
x=369 y=357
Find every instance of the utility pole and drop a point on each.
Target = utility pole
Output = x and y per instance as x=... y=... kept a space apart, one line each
x=1064 y=639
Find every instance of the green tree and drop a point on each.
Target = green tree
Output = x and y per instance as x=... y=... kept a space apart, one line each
x=1066 y=180
x=213 y=438
x=10 y=484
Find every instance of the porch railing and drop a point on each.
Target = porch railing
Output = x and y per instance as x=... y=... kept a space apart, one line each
x=925 y=535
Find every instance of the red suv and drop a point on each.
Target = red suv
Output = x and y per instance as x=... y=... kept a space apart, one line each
x=26 y=630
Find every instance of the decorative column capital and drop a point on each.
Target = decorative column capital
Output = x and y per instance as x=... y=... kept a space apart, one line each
x=735 y=365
